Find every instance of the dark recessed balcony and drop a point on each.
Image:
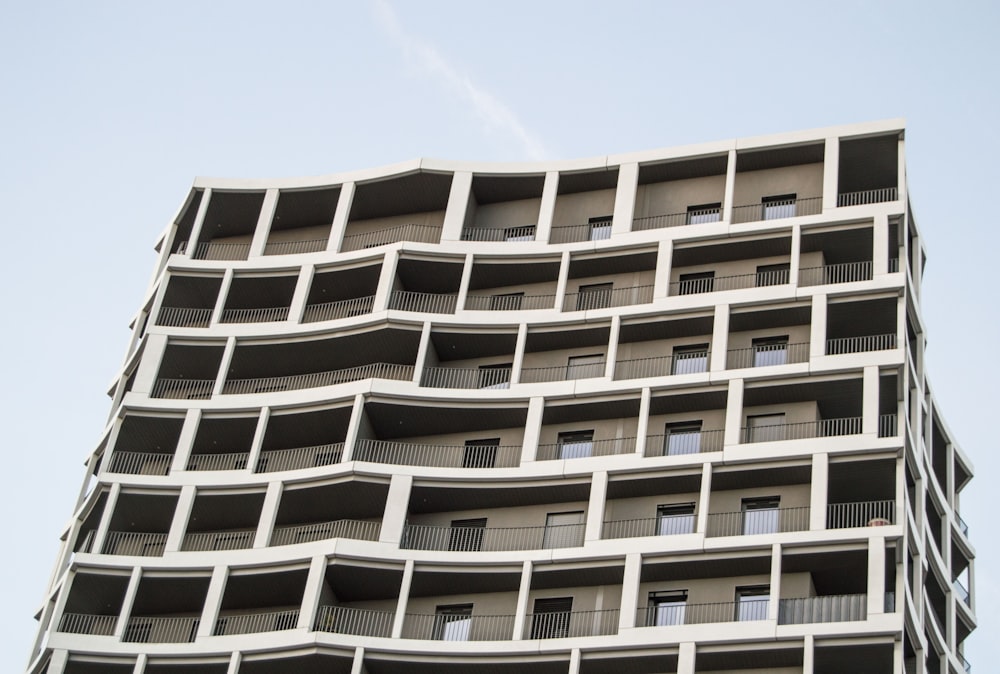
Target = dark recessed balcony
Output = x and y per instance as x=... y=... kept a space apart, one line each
x=778 y=207
x=603 y=296
x=401 y=208
x=845 y=272
x=357 y=621
x=863 y=197
x=510 y=234
x=472 y=454
x=491 y=539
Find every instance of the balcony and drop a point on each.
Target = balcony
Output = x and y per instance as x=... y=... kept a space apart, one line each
x=467 y=378
x=696 y=216
x=275 y=460
x=468 y=455
x=862 y=344
x=826 y=609
x=864 y=197
x=519 y=233
x=382 y=237
x=329 y=311
x=458 y=627
x=710 y=283
x=597 y=230
x=602 y=298
x=140 y=463
x=847 y=272
x=766 y=354
x=427 y=303
x=664 y=525
x=776 y=208
x=569 y=372
x=569 y=624
x=761 y=521
x=580 y=448
x=81 y=623
x=680 y=442
x=316 y=379
x=359 y=530
x=661 y=615
x=822 y=428
x=140 y=544
x=491 y=539
x=216 y=251
x=184 y=317
x=202 y=541
x=860 y=514
x=962 y=593
x=161 y=630
x=252 y=623
x=356 y=621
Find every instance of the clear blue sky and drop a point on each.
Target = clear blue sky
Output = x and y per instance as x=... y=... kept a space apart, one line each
x=109 y=110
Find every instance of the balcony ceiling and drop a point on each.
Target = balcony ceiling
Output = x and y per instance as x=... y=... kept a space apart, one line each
x=655 y=330
x=430 y=276
x=436 y=664
x=777 y=246
x=587 y=181
x=305 y=208
x=414 y=193
x=586 y=575
x=352 y=581
x=566 y=338
x=224 y=435
x=317 y=663
x=683 y=169
x=261 y=292
x=152 y=667
x=856 y=658
x=305 y=429
x=344 y=284
x=487 y=275
x=96 y=593
x=602 y=663
x=355 y=499
x=572 y=411
x=838 y=393
x=496 y=189
x=656 y=486
x=231 y=214
x=149 y=434
x=849 y=245
x=761 y=659
x=425 y=499
x=688 y=402
x=164 y=595
x=468 y=345
x=700 y=567
x=192 y=291
x=778 y=157
x=264 y=590
x=611 y=264
x=725 y=480
x=867 y=163
x=750 y=319
x=393 y=422
x=217 y=512
x=443 y=583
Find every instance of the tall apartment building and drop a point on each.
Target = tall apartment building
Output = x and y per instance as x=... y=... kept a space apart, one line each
x=660 y=412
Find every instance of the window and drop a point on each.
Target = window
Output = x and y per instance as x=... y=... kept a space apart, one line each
x=563 y=530
x=779 y=206
x=770 y=351
x=600 y=228
x=495 y=376
x=525 y=233
x=596 y=296
x=682 y=438
x=453 y=623
x=550 y=618
x=480 y=453
x=773 y=274
x=751 y=602
x=666 y=608
x=576 y=444
x=702 y=213
x=690 y=359
x=700 y=282
x=765 y=427
x=582 y=367
x=760 y=515
x=506 y=302
x=467 y=535
x=674 y=518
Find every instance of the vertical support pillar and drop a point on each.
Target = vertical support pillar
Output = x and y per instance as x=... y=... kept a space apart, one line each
x=258 y=439
x=353 y=428
x=268 y=514
x=720 y=339
x=869 y=401
x=358 y=664
x=817 y=327
x=458 y=206
x=57 y=661
x=876 y=575
x=149 y=364
x=263 y=229
x=386 y=280
x=547 y=210
x=795 y=258
x=522 y=340
x=220 y=299
x=642 y=428
x=704 y=499
x=628 y=181
x=521 y=612
x=532 y=429
x=314 y=587
x=422 y=346
x=563 y=280
x=818 y=493
x=463 y=287
x=404 y=597
x=340 y=217
x=235 y=660
x=182 y=513
x=199 y=222
x=630 y=591
x=574 y=662
x=97 y=546
x=664 y=263
x=774 y=599
x=300 y=296
x=809 y=655
x=831 y=172
x=734 y=413
x=609 y=364
x=213 y=602
x=685 y=657
x=727 y=200
x=140 y=664
x=185 y=441
x=227 y=359
x=595 y=506
x=880 y=245
x=397 y=505
x=127 y=601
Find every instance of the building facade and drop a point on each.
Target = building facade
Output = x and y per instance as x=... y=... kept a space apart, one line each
x=660 y=412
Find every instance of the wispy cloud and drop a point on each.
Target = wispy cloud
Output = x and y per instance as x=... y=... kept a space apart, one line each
x=493 y=112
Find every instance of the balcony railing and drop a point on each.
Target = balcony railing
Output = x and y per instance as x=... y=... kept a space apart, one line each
x=161 y=630
x=82 y=623
x=522 y=233
x=860 y=514
x=359 y=530
x=509 y=302
x=847 y=272
x=255 y=315
x=456 y=627
x=203 y=541
x=893 y=265
x=764 y=355
x=140 y=463
x=827 y=609
x=679 y=443
x=759 y=279
x=867 y=196
x=274 y=460
x=425 y=303
x=466 y=377
x=763 y=521
x=695 y=217
x=808 y=429
x=962 y=592
x=251 y=623
x=776 y=210
x=134 y=543
x=294 y=247
x=746 y=610
x=568 y=624
x=580 y=449
x=328 y=311
x=230 y=461
x=358 y=621
x=475 y=539
x=887 y=427
x=592 y=231
x=381 y=237
x=316 y=379
x=660 y=366
x=441 y=456
x=962 y=525
x=862 y=344
x=217 y=251
x=534 y=375
x=610 y=297
x=665 y=525
x=184 y=389
x=184 y=317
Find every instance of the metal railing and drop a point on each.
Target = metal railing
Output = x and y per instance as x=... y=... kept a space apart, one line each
x=134 y=543
x=609 y=297
x=587 y=232
x=250 y=623
x=740 y=281
x=466 y=377
x=568 y=624
x=359 y=530
x=140 y=463
x=893 y=265
x=216 y=251
x=184 y=317
x=456 y=627
x=274 y=460
x=842 y=345
x=701 y=614
x=203 y=541
x=764 y=355
x=809 y=429
x=695 y=217
x=846 y=272
x=381 y=237
x=867 y=196
x=684 y=442
x=294 y=247
x=425 y=303
x=962 y=592
x=328 y=311
x=82 y=623
x=659 y=366
x=521 y=233
x=255 y=315
x=778 y=209
x=579 y=449
x=441 y=456
x=887 y=426
x=161 y=630
x=763 y=521
x=509 y=302
x=534 y=375
x=189 y=389
x=358 y=621
x=826 y=609
x=962 y=525
x=665 y=525
x=230 y=461
x=860 y=514
x=315 y=379
x=491 y=539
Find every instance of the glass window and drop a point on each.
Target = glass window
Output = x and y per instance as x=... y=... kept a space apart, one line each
x=702 y=213
x=674 y=518
x=751 y=602
x=600 y=228
x=582 y=367
x=692 y=284
x=760 y=515
x=563 y=530
x=550 y=618
x=576 y=444
x=779 y=206
x=467 y=535
x=772 y=274
x=770 y=351
x=453 y=623
x=595 y=296
x=682 y=438
x=689 y=359
x=765 y=427
x=667 y=608
x=480 y=453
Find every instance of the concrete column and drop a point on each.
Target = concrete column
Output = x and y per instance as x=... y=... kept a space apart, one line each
x=548 y=206
x=397 y=506
x=263 y=229
x=341 y=217
x=258 y=439
x=630 y=591
x=880 y=245
x=220 y=299
x=734 y=413
x=727 y=200
x=704 y=499
x=57 y=661
x=809 y=655
x=685 y=657
x=235 y=660
x=595 y=507
x=314 y=586
x=386 y=281
x=199 y=221
x=458 y=206
x=404 y=596
x=521 y=612
x=817 y=327
x=149 y=364
x=795 y=258
x=268 y=514
x=720 y=339
x=897 y=657
x=185 y=441
x=353 y=427
x=775 y=589
x=609 y=366
x=574 y=661
x=532 y=429
x=301 y=295
x=628 y=182
x=831 y=171
x=213 y=601
x=422 y=346
x=97 y=545
x=661 y=276
x=463 y=288
x=818 y=494
x=127 y=601
x=563 y=280
x=227 y=359
x=876 y=575
x=140 y=664
x=522 y=339
x=869 y=401
x=642 y=428
x=182 y=514
x=358 y=664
